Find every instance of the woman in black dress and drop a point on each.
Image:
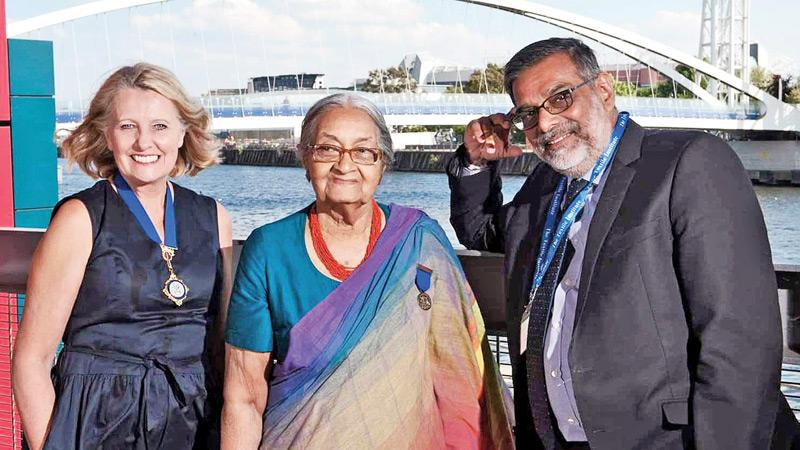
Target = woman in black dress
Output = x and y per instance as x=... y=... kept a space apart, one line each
x=132 y=274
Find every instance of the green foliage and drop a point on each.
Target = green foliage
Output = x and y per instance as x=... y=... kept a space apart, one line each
x=793 y=96
x=779 y=86
x=392 y=79
x=416 y=128
x=688 y=72
x=773 y=83
x=760 y=78
x=624 y=89
x=664 y=89
x=488 y=80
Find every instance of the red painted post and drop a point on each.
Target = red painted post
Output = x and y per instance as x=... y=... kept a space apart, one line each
x=5 y=107
x=6 y=180
x=6 y=174
x=10 y=425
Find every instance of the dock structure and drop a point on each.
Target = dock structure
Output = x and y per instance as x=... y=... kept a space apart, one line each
x=435 y=160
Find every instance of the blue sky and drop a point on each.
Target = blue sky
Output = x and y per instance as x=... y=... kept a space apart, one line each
x=215 y=43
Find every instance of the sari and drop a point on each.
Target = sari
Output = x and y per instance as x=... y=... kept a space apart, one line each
x=371 y=367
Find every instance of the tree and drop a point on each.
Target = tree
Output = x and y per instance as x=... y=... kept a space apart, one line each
x=686 y=71
x=624 y=88
x=793 y=95
x=665 y=89
x=760 y=78
x=774 y=84
x=392 y=79
x=489 y=80
x=691 y=74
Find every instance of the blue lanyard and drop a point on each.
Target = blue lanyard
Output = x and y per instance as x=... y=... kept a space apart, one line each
x=135 y=206
x=552 y=235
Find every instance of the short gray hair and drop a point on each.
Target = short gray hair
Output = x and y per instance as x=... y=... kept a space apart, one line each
x=308 y=130
x=580 y=54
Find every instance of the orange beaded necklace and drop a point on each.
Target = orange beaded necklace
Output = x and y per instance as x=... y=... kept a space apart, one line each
x=339 y=271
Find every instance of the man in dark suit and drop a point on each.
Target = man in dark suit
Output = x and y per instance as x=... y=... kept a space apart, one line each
x=652 y=321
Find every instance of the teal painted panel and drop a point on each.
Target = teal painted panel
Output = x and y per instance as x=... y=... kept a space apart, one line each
x=20 y=306
x=30 y=67
x=32 y=218
x=33 y=152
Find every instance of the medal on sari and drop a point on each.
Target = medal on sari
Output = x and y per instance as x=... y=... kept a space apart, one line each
x=175 y=289
x=423 y=283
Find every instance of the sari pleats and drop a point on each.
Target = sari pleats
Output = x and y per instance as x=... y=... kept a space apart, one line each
x=369 y=368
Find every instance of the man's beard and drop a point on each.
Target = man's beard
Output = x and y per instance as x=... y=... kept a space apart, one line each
x=576 y=160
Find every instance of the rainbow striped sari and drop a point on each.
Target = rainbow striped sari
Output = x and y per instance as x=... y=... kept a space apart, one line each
x=370 y=368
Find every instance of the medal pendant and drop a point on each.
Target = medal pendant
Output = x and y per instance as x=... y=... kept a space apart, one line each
x=424 y=301
x=175 y=289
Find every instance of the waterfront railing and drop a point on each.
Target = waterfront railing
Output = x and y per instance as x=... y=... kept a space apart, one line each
x=484 y=272
x=296 y=103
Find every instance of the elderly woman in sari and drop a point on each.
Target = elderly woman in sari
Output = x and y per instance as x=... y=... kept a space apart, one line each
x=377 y=338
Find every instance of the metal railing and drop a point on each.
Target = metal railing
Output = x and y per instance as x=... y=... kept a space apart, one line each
x=296 y=103
x=484 y=271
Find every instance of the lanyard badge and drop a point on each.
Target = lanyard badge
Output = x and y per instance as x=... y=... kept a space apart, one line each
x=175 y=289
x=553 y=234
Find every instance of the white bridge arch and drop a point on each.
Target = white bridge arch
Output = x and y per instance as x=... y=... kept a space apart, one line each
x=778 y=115
x=95 y=8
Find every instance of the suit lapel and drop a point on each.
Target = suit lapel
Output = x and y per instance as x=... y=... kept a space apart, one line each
x=614 y=191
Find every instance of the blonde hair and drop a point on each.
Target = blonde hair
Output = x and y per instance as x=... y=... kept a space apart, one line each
x=86 y=146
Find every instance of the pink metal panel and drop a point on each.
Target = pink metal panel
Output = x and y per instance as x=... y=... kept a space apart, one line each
x=10 y=426
x=5 y=113
x=6 y=179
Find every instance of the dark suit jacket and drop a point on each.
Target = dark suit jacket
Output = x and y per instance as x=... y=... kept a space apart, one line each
x=677 y=337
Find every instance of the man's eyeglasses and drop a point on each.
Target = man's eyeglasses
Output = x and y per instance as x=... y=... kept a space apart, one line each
x=329 y=153
x=527 y=117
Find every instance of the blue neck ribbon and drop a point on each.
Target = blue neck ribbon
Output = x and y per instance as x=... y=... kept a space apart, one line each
x=135 y=206
x=552 y=235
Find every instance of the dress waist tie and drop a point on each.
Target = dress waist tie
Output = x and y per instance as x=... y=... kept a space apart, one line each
x=152 y=365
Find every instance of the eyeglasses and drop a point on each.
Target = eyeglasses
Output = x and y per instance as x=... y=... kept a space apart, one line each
x=365 y=156
x=527 y=117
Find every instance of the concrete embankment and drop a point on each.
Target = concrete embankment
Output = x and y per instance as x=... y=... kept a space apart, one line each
x=767 y=162
x=770 y=162
x=405 y=160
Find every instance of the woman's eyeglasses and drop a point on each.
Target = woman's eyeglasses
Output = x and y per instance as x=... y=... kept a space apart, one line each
x=329 y=153
x=525 y=118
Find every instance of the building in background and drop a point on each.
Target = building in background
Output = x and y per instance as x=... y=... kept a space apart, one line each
x=225 y=91
x=758 y=55
x=293 y=81
x=433 y=75
x=638 y=75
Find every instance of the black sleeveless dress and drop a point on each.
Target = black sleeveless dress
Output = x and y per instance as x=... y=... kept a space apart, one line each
x=134 y=371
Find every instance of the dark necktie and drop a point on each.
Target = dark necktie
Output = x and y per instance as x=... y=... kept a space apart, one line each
x=537 y=329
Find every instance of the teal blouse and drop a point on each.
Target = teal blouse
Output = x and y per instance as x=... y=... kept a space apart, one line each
x=276 y=284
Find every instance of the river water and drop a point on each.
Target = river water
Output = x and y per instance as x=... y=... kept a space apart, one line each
x=258 y=195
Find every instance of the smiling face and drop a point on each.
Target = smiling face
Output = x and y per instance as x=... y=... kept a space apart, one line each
x=144 y=133
x=344 y=182
x=569 y=142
